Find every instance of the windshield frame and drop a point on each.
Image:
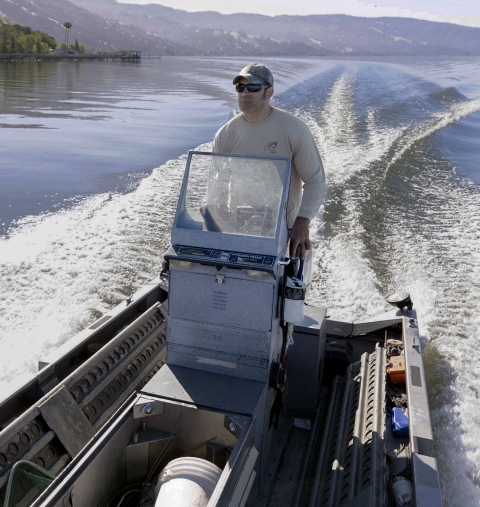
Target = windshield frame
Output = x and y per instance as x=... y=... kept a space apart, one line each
x=232 y=241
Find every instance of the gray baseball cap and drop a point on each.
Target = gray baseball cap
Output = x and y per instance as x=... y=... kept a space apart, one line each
x=256 y=73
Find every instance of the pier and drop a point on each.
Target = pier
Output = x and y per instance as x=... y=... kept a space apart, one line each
x=124 y=56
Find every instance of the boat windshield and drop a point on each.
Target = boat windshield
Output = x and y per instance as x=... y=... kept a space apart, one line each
x=234 y=194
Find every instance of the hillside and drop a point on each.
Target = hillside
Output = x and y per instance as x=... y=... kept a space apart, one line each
x=94 y=31
x=105 y=32
x=107 y=24
x=330 y=33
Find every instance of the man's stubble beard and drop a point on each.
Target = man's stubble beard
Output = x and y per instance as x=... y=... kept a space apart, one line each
x=264 y=97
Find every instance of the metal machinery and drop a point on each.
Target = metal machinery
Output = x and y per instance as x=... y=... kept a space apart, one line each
x=212 y=422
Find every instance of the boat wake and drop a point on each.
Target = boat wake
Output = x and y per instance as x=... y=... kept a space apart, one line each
x=396 y=216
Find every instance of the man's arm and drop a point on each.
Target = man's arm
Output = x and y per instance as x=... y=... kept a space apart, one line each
x=300 y=237
x=309 y=166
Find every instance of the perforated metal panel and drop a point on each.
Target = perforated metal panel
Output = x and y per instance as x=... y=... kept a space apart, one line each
x=350 y=463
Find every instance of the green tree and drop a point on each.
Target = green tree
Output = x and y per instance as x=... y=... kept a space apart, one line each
x=47 y=39
x=31 y=43
x=25 y=29
x=7 y=34
x=21 y=39
x=67 y=27
x=21 y=43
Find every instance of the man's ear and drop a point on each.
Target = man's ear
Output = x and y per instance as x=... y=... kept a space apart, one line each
x=269 y=92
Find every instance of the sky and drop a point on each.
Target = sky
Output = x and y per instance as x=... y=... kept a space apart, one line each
x=464 y=12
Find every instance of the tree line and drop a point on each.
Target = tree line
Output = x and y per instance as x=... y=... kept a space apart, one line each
x=23 y=40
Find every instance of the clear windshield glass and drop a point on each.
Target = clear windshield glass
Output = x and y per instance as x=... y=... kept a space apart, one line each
x=234 y=195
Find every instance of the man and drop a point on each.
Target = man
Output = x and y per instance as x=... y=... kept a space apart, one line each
x=261 y=129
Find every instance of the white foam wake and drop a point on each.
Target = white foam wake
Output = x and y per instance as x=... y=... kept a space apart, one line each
x=59 y=272
x=429 y=126
x=344 y=281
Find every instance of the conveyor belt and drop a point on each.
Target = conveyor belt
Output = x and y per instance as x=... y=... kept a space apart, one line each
x=349 y=465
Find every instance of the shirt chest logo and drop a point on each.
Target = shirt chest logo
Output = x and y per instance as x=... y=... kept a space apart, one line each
x=271 y=147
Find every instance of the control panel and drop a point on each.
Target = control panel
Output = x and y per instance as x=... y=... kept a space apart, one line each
x=216 y=257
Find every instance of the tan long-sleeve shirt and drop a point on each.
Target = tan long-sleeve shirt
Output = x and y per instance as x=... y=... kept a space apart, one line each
x=281 y=135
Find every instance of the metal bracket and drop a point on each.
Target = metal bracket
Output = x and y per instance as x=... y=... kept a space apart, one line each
x=235 y=425
x=146 y=407
x=68 y=500
x=232 y=426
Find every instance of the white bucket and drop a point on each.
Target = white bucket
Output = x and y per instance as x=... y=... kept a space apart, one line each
x=293 y=310
x=187 y=482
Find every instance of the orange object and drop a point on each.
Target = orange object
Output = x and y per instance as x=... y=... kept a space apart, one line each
x=396 y=369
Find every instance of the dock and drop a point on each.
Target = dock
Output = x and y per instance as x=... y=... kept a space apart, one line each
x=124 y=56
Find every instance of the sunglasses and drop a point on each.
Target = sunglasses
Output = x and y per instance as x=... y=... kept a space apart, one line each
x=252 y=88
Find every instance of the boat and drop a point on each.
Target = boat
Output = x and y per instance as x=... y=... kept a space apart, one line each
x=216 y=385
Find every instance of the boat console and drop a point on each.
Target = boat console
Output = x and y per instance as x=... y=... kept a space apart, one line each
x=226 y=263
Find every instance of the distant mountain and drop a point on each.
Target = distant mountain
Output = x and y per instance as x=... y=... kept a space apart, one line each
x=104 y=32
x=329 y=33
x=109 y=25
x=92 y=30
x=203 y=40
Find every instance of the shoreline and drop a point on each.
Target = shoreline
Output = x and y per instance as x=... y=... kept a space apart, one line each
x=126 y=55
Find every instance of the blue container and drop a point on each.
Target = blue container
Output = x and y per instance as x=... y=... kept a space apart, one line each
x=399 y=423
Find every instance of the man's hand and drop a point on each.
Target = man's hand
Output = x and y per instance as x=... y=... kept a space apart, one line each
x=300 y=237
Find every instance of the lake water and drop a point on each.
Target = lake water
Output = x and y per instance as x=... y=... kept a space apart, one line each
x=92 y=156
